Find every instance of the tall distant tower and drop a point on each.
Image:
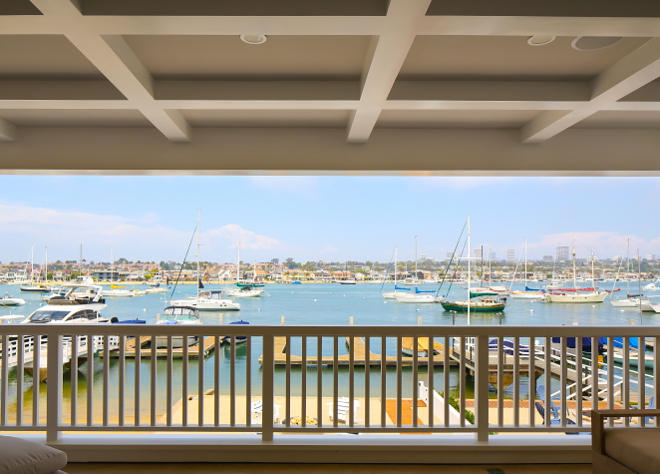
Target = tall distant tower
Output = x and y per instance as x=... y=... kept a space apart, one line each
x=511 y=255
x=563 y=253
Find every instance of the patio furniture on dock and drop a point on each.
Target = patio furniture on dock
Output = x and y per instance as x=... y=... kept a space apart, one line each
x=257 y=410
x=343 y=406
x=556 y=421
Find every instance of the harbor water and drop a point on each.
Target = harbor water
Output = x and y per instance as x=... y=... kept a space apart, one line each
x=306 y=304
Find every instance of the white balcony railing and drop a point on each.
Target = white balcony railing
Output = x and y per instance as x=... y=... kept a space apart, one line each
x=222 y=385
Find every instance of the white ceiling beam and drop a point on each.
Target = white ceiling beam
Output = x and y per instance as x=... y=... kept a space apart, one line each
x=7 y=131
x=383 y=63
x=117 y=62
x=361 y=123
x=637 y=69
x=338 y=25
x=141 y=150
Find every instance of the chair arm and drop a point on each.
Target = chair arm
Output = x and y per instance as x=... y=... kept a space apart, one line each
x=598 y=417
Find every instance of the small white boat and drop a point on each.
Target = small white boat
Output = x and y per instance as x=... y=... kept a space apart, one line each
x=8 y=300
x=633 y=358
x=118 y=292
x=185 y=315
x=652 y=286
x=247 y=291
x=212 y=300
x=412 y=297
x=527 y=295
x=82 y=304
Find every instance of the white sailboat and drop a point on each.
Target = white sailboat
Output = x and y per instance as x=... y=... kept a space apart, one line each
x=211 y=300
x=577 y=295
x=397 y=290
x=31 y=285
x=415 y=295
x=243 y=290
x=115 y=291
x=527 y=294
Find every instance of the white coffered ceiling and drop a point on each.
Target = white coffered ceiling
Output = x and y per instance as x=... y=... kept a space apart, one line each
x=369 y=87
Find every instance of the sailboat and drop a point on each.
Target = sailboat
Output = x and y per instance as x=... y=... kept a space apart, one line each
x=32 y=285
x=397 y=289
x=632 y=301
x=243 y=289
x=415 y=295
x=209 y=300
x=346 y=280
x=577 y=295
x=528 y=293
x=115 y=291
x=481 y=305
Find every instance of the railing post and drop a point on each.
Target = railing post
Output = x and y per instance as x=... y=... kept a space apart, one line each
x=267 y=388
x=481 y=388
x=54 y=388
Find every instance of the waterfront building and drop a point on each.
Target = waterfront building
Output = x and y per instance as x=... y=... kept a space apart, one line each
x=563 y=253
x=511 y=255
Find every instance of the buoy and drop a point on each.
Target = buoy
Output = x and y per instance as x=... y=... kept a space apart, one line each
x=531 y=310
x=344 y=296
x=145 y=310
x=593 y=305
x=314 y=301
x=417 y=310
x=258 y=309
x=364 y=297
x=623 y=311
x=385 y=302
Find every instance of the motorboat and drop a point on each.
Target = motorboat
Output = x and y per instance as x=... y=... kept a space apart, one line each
x=185 y=315
x=117 y=291
x=652 y=286
x=210 y=300
x=8 y=300
x=239 y=339
x=82 y=304
x=157 y=289
x=38 y=287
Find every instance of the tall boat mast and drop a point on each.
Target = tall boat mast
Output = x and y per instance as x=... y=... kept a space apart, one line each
x=526 y=264
x=112 y=266
x=469 y=271
x=395 y=265
x=32 y=264
x=574 y=270
x=639 y=280
x=415 y=279
x=593 y=275
x=238 y=262
x=199 y=217
x=46 y=270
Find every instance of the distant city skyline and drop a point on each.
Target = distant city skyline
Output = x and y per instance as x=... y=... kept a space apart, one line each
x=322 y=218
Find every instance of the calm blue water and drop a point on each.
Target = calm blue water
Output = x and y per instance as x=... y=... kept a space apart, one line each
x=318 y=304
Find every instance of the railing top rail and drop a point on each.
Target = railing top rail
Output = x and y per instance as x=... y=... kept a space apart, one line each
x=330 y=331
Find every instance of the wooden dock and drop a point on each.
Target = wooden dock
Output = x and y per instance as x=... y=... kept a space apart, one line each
x=130 y=349
x=359 y=356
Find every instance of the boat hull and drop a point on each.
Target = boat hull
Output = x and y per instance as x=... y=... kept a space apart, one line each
x=576 y=298
x=474 y=308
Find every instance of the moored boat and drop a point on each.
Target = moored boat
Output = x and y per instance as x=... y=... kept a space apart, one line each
x=483 y=305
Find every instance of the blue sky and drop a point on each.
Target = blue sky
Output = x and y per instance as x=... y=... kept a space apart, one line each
x=321 y=218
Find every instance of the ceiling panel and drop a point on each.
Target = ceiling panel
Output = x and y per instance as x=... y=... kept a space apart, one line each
x=584 y=8
x=621 y=119
x=507 y=58
x=473 y=119
x=75 y=118
x=227 y=57
x=43 y=56
x=18 y=7
x=235 y=7
x=267 y=118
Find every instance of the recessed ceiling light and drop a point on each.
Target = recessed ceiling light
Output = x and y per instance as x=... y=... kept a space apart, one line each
x=540 y=40
x=591 y=43
x=254 y=39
